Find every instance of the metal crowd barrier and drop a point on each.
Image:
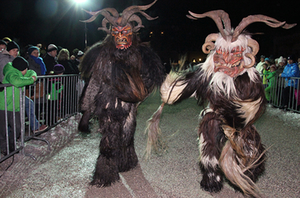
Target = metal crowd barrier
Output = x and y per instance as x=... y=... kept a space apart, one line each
x=49 y=101
x=276 y=93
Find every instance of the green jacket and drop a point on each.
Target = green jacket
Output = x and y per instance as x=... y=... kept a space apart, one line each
x=14 y=76
x=271 y=78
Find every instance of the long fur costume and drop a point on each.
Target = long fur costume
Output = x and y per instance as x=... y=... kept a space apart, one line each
x=229 y=143
x=116 y=82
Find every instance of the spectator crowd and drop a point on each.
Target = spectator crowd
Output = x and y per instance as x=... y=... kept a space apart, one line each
x=283 y=74
x=22 y=70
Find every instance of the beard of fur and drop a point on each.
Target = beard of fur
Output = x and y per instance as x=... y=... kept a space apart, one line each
x=235 y=160
x=221 y=82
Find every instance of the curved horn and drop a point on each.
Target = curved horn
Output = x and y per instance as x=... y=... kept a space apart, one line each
x=105 y=12
x=128 y=12
x=104 y=27
x=138 y=20
x=209 y=45
x=219 y=16
x=259 y=18
x=254 y=46
x=251 y=56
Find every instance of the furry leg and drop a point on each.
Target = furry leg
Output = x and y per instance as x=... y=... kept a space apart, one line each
x=128 y=158
x=106 y=170
x=84 y=122
x=211 y=138
x=117 y=153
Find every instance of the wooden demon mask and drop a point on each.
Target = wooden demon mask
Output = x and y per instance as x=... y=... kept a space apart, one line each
x=230 y=47
x=123 y=25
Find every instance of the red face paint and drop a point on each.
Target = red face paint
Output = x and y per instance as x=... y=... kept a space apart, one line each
x=122 y=36
x=230 y=63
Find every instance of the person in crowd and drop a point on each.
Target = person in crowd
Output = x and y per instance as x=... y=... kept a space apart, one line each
x=39 y=45
x=63 y=58
x=268 y=62
x=8 y=55
x=265 y=72
x=36 y=63
x=42 y=50
x=7 y=39
x=17 y=74
x=271 y=77
x=55 y=94
x=77 y=59
x=259 y=67
x=50 y=58
x=280 y=81
x=13 y=51
x=281 y=65
x=2 y=46
x=290 y=70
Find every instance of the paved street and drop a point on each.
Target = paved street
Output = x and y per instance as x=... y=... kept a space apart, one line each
x=66 y=169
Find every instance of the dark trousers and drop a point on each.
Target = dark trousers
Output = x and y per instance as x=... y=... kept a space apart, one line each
x=287 y=96
x=11 y=137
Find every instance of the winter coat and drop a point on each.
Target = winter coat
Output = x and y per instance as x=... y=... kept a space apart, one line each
x=49 y=62
x=291 y=70
x=34 y=66
x=260 y=68
x=264 y=77
x=37 y=64
x=14 y=76
x=271 y=78
x=55 y=89
x=5 y=57
x=69 y=67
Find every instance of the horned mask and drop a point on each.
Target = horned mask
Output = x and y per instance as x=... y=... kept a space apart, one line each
x=123 y=25
x=229 y=53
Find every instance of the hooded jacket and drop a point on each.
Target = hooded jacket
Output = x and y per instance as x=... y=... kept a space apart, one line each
x=5 y=57
x=291 y=70
x=14 y=76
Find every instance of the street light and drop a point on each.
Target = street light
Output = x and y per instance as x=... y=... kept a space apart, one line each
x=85 y=28
x=79 y=1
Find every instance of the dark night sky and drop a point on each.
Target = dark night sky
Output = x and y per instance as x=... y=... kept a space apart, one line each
x=57 y=21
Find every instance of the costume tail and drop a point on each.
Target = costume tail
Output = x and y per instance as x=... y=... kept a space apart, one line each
x=242 y=159
x=154 y=142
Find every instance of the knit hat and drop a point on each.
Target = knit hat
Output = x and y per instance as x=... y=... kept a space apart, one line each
x=2 y=42
x=20 y=63
x=30 y=49
x=280 y=60
x=267 y=59
x=7 y=39
x=12 y=45
x=79 y=54
x=58 y=69
x=291 y=57
x=51 y=47
x=273 y=66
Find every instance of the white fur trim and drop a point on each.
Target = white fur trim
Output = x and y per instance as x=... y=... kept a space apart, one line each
x=169 y=90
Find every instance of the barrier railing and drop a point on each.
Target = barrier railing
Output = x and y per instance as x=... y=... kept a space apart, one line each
x=293 y=95
x=43 y=105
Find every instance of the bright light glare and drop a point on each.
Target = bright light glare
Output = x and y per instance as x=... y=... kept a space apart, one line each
x=80 y=1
